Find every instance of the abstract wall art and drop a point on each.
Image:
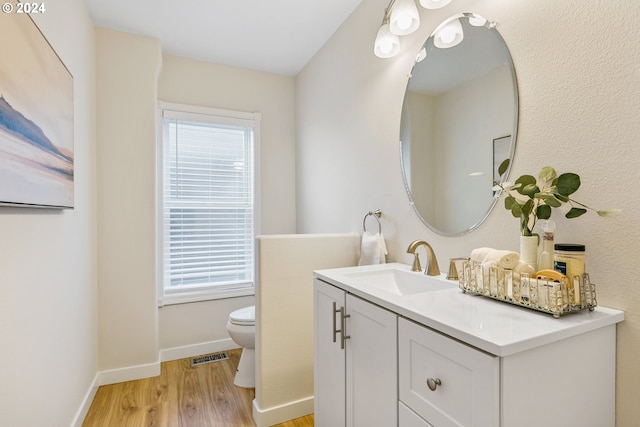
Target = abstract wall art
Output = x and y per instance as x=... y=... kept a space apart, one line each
x=36 y=119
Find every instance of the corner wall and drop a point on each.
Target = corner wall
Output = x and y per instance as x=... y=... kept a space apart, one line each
x=578 y=68
x=127 y=74
x=48 y=269
x=284 y=319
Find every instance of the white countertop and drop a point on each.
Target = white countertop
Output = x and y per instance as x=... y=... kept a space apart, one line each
x=496 y=327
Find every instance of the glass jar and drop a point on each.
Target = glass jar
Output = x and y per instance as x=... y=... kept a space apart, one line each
x=569 y=259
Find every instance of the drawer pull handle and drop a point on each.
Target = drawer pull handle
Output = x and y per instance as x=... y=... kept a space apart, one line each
x=335 y=311
x=343 y=328
x=433 y=383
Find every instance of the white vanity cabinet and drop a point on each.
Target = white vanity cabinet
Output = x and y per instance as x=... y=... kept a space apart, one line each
x=355 y=361
x=440 y=358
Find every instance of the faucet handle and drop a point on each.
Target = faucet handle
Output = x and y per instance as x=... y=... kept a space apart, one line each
x=416 y=262
x=453 y=270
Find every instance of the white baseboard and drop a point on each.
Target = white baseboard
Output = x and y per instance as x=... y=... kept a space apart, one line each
x=130 y=373
x=282 y=413
x=197 y=349
x=78 y=419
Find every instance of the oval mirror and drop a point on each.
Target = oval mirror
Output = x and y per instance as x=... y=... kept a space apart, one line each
x=459 y=122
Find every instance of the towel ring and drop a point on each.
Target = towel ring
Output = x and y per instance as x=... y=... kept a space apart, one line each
x=376 y=214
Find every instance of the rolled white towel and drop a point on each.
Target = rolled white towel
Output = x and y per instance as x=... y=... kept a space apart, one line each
x=487 y=265
x=523 y=267
x=503 y=258
x=478 y=255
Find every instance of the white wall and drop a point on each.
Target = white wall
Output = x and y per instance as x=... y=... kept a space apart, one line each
x=48 y=323
x=578 y=69
x=188 y=81
x=284 y=319
x=127 y=72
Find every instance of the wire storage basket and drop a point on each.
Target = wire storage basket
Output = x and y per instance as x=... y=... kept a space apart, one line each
x=540 y=293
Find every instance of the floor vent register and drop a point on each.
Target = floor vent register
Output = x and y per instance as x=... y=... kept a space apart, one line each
x=208 y=358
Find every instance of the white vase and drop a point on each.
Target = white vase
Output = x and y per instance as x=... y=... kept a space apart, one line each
x=529 y=250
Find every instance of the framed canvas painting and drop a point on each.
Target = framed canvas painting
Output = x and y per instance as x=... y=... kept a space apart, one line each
x=36 y=119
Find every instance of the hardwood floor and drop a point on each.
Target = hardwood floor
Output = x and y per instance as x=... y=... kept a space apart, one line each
x=182 y=396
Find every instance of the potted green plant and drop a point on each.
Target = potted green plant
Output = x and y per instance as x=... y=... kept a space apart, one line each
x=531 y=199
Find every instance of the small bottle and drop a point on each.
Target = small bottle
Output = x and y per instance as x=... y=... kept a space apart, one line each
x=569 y=260
x=545 y=260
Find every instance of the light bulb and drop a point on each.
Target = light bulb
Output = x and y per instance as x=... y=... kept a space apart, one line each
x=477 y=21
x=404 y=22
x=405 y=18
x=449 y=35
x=387 y=44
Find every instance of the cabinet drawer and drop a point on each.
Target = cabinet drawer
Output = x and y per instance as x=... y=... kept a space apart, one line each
x=467 y=393
x=408 y=418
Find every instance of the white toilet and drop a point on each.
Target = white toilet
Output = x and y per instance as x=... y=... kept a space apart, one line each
x=242 y=330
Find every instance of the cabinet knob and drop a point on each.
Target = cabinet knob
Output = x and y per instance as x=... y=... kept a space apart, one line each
x=433 y=383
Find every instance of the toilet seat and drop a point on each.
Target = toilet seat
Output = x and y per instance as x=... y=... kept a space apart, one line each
x=243 y=317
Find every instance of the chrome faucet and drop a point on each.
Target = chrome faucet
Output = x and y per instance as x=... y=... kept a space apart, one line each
x=432 y=263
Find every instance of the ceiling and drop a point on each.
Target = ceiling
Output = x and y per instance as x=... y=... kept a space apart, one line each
x=276 y=36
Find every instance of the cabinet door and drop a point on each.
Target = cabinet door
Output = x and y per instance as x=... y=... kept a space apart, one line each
x=446 y=382
x=372 y=357
x=329 y=358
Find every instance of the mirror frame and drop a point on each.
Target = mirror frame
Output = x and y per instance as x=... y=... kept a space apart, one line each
x=490 y=26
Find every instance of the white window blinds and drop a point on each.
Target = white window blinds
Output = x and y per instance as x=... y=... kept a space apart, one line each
x=207 y=202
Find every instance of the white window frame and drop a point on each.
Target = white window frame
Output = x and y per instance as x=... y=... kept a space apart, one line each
x=210 y=115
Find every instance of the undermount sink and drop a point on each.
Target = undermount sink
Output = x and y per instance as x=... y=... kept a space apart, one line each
x=399 y=282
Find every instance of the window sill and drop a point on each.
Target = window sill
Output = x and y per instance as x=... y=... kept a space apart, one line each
x=190 y=297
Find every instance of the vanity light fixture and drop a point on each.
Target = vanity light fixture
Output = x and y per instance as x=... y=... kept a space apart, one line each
x=449 y=35
x=401 y=17
x=405 y=18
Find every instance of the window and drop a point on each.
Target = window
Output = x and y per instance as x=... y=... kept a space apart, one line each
x=207 y=197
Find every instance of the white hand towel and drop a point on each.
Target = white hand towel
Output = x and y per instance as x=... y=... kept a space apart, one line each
x=503 y=258
x=487 y=265
x=372 y=249
x=479 y=254
x=523 y=267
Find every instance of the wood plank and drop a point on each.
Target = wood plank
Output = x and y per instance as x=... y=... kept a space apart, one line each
x=181 y=396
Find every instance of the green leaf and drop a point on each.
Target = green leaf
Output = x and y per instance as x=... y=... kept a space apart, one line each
x=549 y=199
x=567 y=183
x=503 y=167
x=509 y=201
x=530 y=190
x=524 y=181
x=609 y=212
x=516 y=210
x=563 y=199
x=543 y=212
x=547 y=173
x=575 y=212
